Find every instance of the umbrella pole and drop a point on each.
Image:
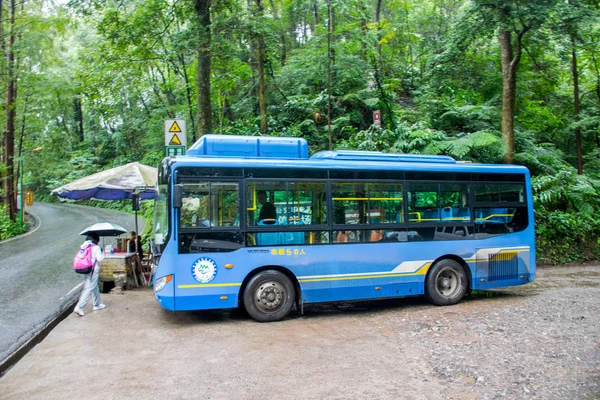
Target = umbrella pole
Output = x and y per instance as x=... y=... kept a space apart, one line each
x=137 y=252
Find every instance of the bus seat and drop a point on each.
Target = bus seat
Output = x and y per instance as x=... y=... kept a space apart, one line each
x=498 y=215
x=415 y=216
x=479 y=216
x=292 y=238
x=462 y=214
x=399 y=217
x=268 y=238
x=503 y=215
x=447 y=214
x=431 y=215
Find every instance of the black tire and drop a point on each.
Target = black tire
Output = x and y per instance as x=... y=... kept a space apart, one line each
x=446 y=283
x=269 y=296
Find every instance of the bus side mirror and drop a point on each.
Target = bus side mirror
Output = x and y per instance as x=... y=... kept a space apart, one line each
x=178 y=195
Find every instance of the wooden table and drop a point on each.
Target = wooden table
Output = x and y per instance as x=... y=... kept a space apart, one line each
x=119 y=268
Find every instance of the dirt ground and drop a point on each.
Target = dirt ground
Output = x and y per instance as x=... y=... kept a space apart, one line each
x=540 y=341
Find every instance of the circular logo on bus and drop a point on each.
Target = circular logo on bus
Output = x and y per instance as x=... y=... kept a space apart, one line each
x=204 y=269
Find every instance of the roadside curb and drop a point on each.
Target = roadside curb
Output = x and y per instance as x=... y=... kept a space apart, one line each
x=38 y=337
x=38 y=223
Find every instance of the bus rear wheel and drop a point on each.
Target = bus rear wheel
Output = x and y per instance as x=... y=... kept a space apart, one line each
x=269 y=296
x=446 y=283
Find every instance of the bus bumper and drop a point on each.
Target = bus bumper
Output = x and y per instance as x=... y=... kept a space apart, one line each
x=207 y=298
x=522 y=279
x=167 y=302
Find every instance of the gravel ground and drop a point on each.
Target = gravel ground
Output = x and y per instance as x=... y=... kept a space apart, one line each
x=540 y=341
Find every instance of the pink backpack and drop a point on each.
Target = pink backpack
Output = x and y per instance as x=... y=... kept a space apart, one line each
x=83 y=263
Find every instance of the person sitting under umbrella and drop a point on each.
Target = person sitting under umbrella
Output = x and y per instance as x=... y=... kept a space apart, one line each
x=133 y=240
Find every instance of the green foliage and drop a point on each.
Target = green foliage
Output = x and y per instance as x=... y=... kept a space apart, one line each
x=98 y=78
x=567 y=216
x=418 y=138
x=9 y=228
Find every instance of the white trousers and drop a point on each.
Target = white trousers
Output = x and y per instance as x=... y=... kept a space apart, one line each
x=90 y=289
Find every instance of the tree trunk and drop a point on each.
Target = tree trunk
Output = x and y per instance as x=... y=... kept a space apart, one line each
x=18 y=177
x=262 y=103
x=384 y=98
x=576 y=103
x=315 y=15
x=363 y=32
x=227 y=110
x=377 y=19
x=510 y=62
x=204 y=111
x=283 y=56
x=9 y=139
x=188 y=92
x=78 y=118
x=2 y=131
x=329 y=75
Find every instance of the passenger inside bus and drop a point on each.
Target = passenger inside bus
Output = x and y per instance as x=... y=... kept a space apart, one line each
x=267 y=211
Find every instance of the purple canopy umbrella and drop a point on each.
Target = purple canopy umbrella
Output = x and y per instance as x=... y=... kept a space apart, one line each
x=112 y=184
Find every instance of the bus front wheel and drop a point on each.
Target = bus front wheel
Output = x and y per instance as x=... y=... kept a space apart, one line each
x=446 y=283
x=269 y=296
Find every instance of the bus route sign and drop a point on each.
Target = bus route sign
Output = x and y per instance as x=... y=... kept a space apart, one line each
x=175 y=151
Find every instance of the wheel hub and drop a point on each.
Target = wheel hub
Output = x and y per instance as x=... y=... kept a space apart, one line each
x=269 y=296
x=447 y=282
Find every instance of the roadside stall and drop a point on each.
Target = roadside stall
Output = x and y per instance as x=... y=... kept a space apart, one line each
x=120 y=267
x=133 y=181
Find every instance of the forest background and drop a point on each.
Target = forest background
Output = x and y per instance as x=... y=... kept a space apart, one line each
x=87 y=85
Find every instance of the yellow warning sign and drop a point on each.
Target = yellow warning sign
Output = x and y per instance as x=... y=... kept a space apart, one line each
x=175 y=128
x=175 y=133
x=175 y=141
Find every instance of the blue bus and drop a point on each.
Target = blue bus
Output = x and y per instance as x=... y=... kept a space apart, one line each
x=254 y=222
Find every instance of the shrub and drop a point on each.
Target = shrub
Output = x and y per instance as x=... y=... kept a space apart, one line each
x=9 y=228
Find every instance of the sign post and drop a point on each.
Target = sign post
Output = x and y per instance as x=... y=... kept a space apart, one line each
x=377 y=118
x=175 y=137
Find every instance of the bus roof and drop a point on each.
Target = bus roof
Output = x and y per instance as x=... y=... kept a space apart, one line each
x=288 y=153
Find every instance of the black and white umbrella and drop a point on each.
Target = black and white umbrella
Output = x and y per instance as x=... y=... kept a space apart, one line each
x=105 y=229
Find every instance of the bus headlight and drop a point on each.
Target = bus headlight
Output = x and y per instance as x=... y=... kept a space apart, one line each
x=160 y=283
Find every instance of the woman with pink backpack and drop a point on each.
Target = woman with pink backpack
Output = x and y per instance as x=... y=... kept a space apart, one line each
x=90 y=287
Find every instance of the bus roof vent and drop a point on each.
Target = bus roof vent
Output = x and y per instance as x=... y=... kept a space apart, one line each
x=249 y=146
x=349 y=155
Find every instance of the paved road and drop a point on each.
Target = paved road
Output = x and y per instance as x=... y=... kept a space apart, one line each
x=37 y=280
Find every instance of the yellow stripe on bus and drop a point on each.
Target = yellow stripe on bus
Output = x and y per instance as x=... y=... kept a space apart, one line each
x=421 y=271
x=203 y=285
x=504 y=255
